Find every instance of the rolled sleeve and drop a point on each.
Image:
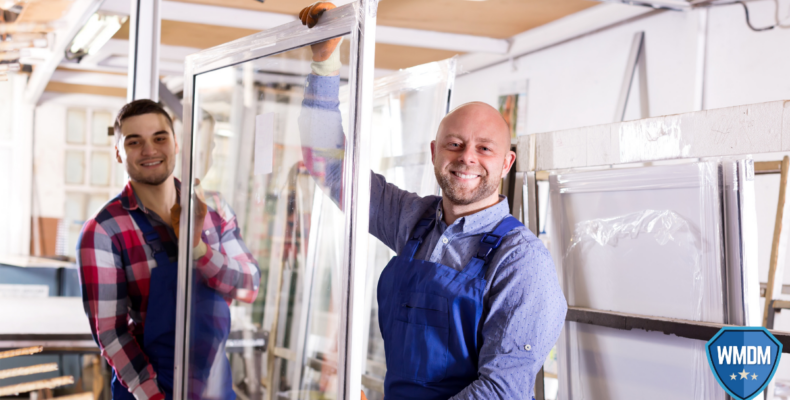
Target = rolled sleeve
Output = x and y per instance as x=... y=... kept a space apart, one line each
x=227 y=265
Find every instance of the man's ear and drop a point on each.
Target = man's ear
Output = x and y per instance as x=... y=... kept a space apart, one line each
x=118 y=154
x=510 y=159
x=433 y=151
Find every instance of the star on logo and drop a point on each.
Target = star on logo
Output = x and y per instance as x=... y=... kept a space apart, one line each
x=732 y=377
x=744 y=374
x=754 y=377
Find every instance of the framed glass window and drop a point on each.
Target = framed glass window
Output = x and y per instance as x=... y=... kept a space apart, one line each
x=75 y=166
x=408 y=106
x=75 y=126
x=100 y=168
x=266 y=305
x=100 y=122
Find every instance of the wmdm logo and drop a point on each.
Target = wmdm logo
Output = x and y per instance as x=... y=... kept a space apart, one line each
x=743 y=360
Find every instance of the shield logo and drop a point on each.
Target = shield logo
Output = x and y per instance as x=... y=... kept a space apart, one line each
x=743 y=360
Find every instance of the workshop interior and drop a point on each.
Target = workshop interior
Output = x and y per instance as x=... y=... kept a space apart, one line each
x=652 y=156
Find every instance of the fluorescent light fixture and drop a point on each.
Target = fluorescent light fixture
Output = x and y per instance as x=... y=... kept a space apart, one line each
x=99 y=29
x=679 y=5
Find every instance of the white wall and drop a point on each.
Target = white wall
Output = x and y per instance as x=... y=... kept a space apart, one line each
x=16 y=119
x=577 y=83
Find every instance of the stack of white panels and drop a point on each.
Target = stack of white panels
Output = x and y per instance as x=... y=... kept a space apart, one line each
x=647 y=241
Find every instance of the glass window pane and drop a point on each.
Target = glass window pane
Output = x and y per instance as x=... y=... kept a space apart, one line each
x=279 y=180
x=6 y=111
x=95 y=203
x=100 y=168
x=407 y=109
x=75 y=166
x=119 y=180
x=75 y=126
x=100 y=123
x=74 y=217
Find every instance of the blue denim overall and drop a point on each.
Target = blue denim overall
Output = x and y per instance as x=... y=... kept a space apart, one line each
x=429 y=315
x=158 y=341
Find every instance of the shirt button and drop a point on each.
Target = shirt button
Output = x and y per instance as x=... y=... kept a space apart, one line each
x=444 y=240
x=527 y=347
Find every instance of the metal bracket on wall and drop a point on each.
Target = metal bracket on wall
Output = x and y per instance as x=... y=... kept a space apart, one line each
x=636 y=59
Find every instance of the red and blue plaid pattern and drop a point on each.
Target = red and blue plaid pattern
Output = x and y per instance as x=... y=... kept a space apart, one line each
x=115 y=272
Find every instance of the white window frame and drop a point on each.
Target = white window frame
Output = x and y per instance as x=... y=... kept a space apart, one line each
x=87 y=148
x=358 y=20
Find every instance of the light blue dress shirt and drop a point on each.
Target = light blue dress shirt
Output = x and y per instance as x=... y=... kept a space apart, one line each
x=524 y=308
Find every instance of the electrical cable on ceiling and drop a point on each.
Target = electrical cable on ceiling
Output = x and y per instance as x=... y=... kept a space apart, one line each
x=749 y=22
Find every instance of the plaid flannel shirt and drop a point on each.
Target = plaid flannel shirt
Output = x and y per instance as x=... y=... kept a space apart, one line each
x=115 y=272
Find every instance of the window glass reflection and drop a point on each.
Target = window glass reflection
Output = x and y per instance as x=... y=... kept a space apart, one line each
x=100 y=123
x=75 y=166
x=75 y=126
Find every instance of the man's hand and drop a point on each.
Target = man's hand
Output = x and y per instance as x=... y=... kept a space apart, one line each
x=201 y=209
x=309 y=16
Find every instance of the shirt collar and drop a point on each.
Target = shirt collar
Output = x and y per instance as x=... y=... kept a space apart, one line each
x=481 y=220
x=130 y=201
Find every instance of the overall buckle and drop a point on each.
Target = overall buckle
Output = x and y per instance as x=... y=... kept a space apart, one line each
x=487 y=244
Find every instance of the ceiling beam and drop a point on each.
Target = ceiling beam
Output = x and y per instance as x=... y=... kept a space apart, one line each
x=261 y=20
x=89 y=78
x=440 y=40
x=561 y=30
x=60 y=87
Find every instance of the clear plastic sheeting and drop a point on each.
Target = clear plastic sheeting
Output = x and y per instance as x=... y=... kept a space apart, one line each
x=407 y=109
x=642 y=241
x=665 y=226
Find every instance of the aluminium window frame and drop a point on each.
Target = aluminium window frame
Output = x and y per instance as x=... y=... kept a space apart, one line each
x=358 y=20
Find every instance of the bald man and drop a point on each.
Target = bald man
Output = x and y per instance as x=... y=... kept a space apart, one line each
x=470 y=306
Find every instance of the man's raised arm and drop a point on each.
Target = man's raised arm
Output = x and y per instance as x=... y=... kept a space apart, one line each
x=323 y=140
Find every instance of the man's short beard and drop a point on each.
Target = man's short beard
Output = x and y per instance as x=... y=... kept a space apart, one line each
x=152 y=180
x=453 y=192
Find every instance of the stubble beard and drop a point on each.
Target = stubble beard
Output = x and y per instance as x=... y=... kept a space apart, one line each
x=454 y=192
x=153 y=180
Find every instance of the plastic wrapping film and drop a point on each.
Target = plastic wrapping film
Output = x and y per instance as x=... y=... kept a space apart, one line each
x=238 y=96
x=642 y=241
x=408 y=106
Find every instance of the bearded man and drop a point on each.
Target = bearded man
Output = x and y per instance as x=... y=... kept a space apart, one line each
x=470 y=307
x=128 y=258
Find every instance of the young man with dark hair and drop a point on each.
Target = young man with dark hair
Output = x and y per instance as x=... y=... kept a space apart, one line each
x=128 y=256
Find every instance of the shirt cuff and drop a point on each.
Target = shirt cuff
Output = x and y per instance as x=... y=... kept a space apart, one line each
x=148 y=390
x=331 y=65
x=199 y=250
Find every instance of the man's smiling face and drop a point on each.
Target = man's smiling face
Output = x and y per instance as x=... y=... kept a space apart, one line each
x=147 y=148
x=471 y=153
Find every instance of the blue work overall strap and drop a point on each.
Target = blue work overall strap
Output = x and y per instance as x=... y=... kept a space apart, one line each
x=488 y=245
x=420 y=231
x=151 y=238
